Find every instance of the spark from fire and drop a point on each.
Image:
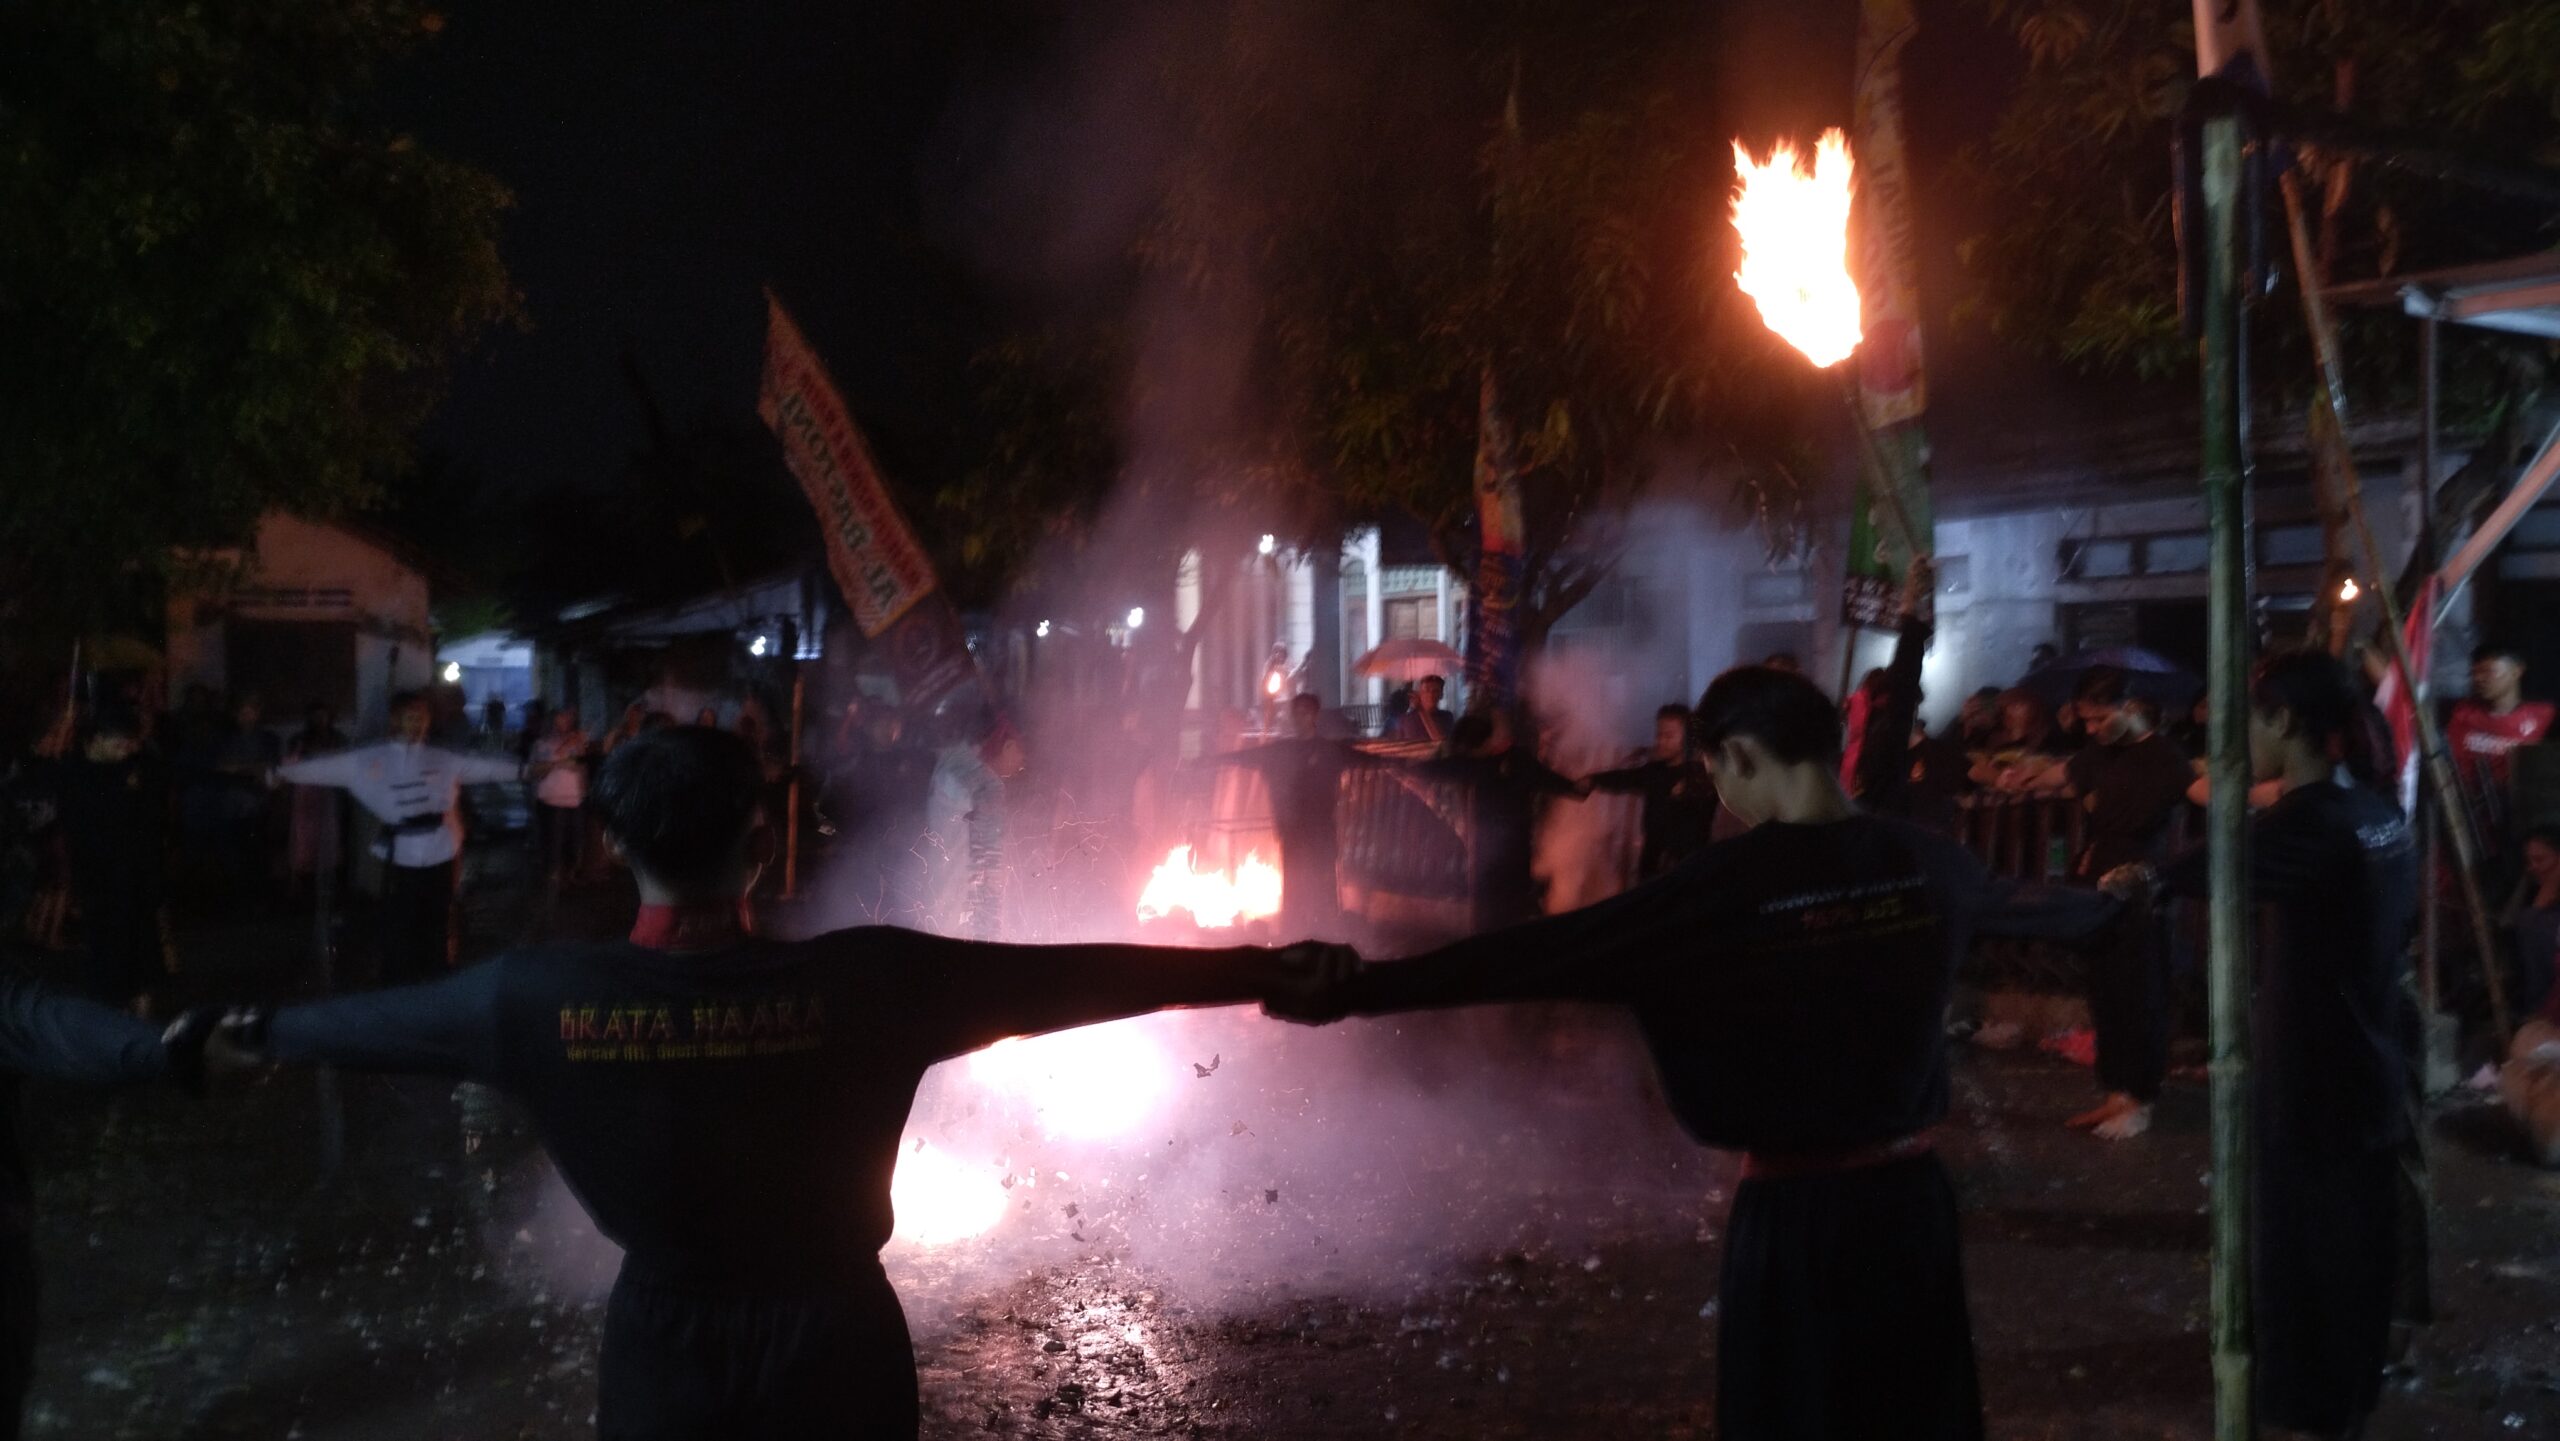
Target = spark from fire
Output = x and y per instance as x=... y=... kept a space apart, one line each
x=1794 y=225
x=1088 y=1084
x=939 y=1200
x=1215 y=900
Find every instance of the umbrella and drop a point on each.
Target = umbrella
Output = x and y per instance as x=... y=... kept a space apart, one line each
x=2148 y=675
x=1409 y=659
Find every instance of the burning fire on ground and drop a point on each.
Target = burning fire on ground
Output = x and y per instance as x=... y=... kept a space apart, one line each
x=1215 y=900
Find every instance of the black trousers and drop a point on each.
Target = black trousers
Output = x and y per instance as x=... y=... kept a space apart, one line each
x=123 y=959
x=560 y=836
x=683 y=1365
x=1844 y=1311
x=18 y=1297
x=417 y=922
x=2129 y=1008
x=2326 y=1239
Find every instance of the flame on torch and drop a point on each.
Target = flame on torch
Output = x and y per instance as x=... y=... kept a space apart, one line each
x=1794 y=226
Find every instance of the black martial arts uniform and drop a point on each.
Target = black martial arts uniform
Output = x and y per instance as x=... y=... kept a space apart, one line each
x=54 y=1038
x=1502 y=796
x=1305 y=781
x=2335 y=874
x=1882 y=781
x=2130 y=792
x=1791 y=985
x=113 y=818
x=730 y=1116
x=1679 y=809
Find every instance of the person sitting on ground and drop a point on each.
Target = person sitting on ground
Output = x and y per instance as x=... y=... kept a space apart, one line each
x=729 y=1108
x=2530 y=1082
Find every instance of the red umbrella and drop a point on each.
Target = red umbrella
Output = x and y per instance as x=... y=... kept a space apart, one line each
x=1410 y=659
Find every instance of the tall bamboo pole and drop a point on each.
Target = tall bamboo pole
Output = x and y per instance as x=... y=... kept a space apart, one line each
x=2226 y=497
x=2439 y=762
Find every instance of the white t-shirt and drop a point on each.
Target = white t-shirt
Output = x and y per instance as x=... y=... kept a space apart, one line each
x=407 y=785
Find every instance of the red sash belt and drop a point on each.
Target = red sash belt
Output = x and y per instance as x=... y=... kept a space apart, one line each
x=1793 y=1165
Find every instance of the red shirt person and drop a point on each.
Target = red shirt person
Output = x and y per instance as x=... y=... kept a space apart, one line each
x=2486 y=731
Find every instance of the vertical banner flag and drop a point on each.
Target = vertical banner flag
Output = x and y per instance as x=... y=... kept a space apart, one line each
x=1493 y=611
x=1891 y=389
x=2398 y=698
x=883 y=572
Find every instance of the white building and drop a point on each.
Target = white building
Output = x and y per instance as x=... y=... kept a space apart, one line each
x=311 y=611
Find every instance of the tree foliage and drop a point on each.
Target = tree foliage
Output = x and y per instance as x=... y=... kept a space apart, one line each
x=225 y=284
x=2078 y=259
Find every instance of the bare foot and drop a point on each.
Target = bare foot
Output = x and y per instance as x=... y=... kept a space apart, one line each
x=2124 y=1125
x=2116 y=1104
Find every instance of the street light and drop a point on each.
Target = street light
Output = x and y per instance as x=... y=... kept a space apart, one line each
x=1041 y=630
x=756 y=647
x=453 y=672
x=1269 y=544
x=1137 y=616
x=2347 y=591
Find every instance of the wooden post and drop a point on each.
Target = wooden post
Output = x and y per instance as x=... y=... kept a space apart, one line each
x=791 y=828
x=2438 y=762
x=2226 y=503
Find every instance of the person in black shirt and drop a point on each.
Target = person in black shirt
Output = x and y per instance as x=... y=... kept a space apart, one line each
x=728 y=1108
x=113 y=798
x=2130 y=782
x=2334 y=873
x=1791 y=985
x=1304 y=775
x=1679 y=796
x=1504 y=783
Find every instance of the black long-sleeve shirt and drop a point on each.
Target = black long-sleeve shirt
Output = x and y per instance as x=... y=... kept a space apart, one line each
x=2334 y=872
x=1679 y=808
x=1882 y=781
x=1791 y=983
x=53 y=1037
x=732 y=1117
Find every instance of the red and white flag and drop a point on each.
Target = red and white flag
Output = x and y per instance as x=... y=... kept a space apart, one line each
x=2399 y=699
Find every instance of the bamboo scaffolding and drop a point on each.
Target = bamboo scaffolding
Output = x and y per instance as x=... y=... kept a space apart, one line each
x=2438 y=763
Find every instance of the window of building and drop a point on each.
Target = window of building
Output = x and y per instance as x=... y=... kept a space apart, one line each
x=1411 y=619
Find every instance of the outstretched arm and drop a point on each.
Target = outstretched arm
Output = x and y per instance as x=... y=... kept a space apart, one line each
x=1598 y=953
x=966 y=994
x=443 y=1028
x=56 y=1037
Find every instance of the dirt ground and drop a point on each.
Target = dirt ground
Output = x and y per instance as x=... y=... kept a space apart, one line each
x=210 y=1274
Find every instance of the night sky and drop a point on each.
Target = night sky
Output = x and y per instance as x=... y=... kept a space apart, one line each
x=884 y=166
